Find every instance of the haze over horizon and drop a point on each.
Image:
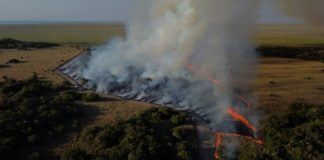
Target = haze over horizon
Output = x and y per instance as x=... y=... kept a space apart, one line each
x=104 y=11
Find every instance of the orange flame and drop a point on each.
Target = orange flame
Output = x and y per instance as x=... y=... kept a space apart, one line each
x=192 y=69
x=236 y=116
x=255 y=140
x=218 y=140
x=218 y=143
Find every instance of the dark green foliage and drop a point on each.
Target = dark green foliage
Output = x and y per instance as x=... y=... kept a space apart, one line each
x=8 y=43
x=309 y=53
x=75 y=154
x=4 y=66
x=31 y=112
x=296 y=134
x=90 y=97
x=149 y=135
x=13 y=61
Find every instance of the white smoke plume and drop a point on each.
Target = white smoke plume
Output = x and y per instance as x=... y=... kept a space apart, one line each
x=311 y=11
x=162 y=39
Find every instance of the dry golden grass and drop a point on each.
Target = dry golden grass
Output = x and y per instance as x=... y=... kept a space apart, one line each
x=289 y=35
x=63 y=33
x=114 y=109
x=41 y=61
x=282 y=81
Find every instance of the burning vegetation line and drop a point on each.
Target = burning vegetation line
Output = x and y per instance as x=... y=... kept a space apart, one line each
x=215 y=81
x=234 y=115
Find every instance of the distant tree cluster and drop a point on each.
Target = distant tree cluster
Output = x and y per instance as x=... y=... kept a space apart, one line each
x=293 y=135
x=32 y=112
x=308 y=53
x=159 y=134
x=8 y=43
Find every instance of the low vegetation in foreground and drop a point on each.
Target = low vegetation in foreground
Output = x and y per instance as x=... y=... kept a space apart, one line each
x=297 y=134
x=32 y=112
x=157 y=134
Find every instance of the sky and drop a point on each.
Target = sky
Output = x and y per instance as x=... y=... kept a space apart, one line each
x=100 y=11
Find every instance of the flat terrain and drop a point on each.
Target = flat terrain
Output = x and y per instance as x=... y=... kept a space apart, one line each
x=282 y=81
x=41 y=61
x=279 y=82
x=289 y=35
x=63 y=33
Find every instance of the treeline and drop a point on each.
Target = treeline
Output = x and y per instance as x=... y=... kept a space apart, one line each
x=32 y=112
x=297 y=134
x=157 y=134
x=308 y=53
x=8 y=43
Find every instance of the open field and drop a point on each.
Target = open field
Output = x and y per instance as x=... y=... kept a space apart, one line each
x=289 y=35
x=282 y=81
x=41 y=61
x=63 y=33
x=99 y=33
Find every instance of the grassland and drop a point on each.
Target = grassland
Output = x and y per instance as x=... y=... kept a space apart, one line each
x=99 y=33
x=63 y=33
x=289 y=35
x=282 y=81
x=41 y=61
x=279 y=81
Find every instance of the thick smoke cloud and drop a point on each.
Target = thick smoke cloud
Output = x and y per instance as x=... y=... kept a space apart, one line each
x=162 y=39
x=312 y=11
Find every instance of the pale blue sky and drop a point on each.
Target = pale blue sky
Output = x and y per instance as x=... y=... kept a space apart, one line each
x=98 y=10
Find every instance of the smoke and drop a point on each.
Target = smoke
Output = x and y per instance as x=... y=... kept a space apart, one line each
x=163 y=38
x=309 y=10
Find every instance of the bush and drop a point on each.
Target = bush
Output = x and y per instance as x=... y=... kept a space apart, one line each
x=75 y=154
x=295 y=134
x=30 y=113
x=90 y=97
x=8 y=43
x=13 y=61
x=34 y=156
x=145 y=137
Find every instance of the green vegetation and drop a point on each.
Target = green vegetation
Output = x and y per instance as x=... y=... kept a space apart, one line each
x=32 y=112
x=4 y=66
x=297 y=134
x=8 y=43
x=13 y=61
x=308 y=53
x=157 y=134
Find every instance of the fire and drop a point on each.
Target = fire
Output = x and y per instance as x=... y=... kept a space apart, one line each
x=220 y=135
x=243 y=100
x=218 y=143
x=236 y=116
x=215 y=81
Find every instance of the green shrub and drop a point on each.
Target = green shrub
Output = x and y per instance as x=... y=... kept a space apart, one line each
x=34 y=156
x=90 y=97
x=294 y=134
x=30 y=113
x=13 y=61
x=75 y=154
x=145 y=137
